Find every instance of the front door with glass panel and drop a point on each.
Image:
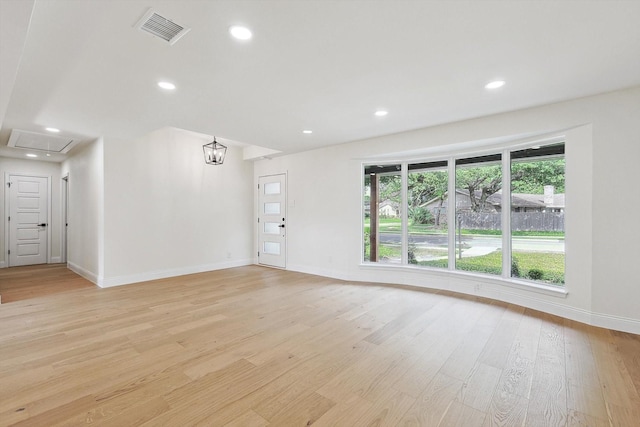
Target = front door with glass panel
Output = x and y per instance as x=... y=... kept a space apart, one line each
x=271 y=220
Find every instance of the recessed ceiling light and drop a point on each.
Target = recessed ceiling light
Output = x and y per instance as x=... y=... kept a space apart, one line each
x=54 y=130
x=32 y=155
x=494 y=84
x=381 y=113
x=240 y=32
x=307 y=131
x=167 y=85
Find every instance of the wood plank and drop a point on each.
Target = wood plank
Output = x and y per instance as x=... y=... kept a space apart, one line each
x=548 y=397
x=496 y=351
x=345 y=413
x=584 y=391
x=303 y=411
x=460 y=415
x=479 y=387
x=510 y=398
x=465 y=357
x=620 y=395
x=507 y=409
x=578 y=419
x=388 y=410
x=431 y=407
x=248 y=419
x=628 y=346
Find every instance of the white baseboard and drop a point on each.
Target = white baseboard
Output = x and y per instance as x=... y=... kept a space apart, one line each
x=318 y=271
x=2 y=264
x=89 y=275
x=108 y=282
x=623 y=324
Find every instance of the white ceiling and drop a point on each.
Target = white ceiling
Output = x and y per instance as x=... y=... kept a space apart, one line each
x=320 y=65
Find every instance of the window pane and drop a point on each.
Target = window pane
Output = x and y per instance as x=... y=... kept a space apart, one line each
x=537 y=216
x=427 y=207
x=272 y=248
x=272 y=188
x=271 y=228
x=272 y=208
x=382 y=211
x=478 y=240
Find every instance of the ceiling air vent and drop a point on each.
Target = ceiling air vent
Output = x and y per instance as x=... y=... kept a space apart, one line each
x=161 y=27
x=39 y=141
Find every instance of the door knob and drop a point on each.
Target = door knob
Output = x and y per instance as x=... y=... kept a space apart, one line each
x=42 y=225
x=281 y=226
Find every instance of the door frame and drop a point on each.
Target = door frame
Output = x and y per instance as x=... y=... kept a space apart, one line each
x=7 y=201
x=286 y=215
x=64 y=220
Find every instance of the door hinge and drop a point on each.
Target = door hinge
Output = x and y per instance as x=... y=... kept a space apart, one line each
x=9 y=218
x=258 y=253
x=9 y=184
x=258 y=186
x=9 y=251
x=258 y=219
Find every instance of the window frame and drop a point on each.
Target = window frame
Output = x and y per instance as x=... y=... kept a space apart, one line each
x=504 y=150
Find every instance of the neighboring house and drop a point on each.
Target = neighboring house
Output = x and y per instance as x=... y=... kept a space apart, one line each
x=463 y=203
x=389 y=209
x=549 y=202
x=537 y=202
x=386 y=209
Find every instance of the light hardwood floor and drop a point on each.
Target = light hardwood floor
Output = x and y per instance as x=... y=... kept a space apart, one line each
x=253 y=346
x=21 y=283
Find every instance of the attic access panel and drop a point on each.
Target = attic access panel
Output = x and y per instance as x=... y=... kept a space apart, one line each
x=40 y=142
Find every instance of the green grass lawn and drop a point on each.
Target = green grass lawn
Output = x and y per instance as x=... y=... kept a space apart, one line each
x=539 y=266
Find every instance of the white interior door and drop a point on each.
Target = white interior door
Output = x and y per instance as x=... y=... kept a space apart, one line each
x=272 y=203
x=28 y=222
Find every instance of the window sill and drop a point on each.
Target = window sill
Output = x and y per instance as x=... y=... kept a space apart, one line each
x=524 y=285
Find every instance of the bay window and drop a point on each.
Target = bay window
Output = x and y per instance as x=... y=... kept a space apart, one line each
x=498 y=214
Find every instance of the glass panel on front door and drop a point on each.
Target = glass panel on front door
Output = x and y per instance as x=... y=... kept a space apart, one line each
x=272 y=208
x=272 y=188
x=272 y=248
x=271 y=228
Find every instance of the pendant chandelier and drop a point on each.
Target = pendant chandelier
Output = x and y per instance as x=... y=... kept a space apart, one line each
x=214 y=152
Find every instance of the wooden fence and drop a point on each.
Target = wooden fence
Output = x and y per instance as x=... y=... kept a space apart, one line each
x=520 y=221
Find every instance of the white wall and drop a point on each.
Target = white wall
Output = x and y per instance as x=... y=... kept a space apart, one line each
x=603 y=148
x=85 y=233
x=36 y=168
x=167 y=213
